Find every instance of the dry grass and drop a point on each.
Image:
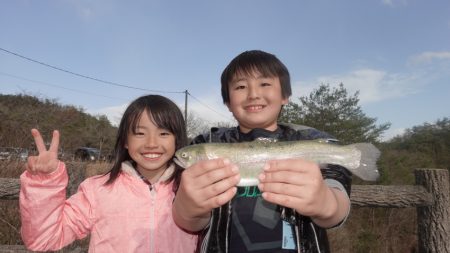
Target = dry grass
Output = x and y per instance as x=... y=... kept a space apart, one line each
x=9 y=209
x=93 y=169
x=372 y=230
x=9 y=222
x=11 y=169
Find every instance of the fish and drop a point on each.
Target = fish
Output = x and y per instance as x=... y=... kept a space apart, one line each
x=359 y=158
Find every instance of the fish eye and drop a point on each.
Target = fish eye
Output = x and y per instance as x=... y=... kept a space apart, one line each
x=184 y=155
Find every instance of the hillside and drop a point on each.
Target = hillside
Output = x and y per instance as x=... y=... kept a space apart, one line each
x=20 y=113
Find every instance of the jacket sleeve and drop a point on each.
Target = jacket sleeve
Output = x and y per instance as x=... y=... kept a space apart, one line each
x=49 y=221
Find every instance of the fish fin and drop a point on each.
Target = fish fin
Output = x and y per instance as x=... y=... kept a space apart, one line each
x=264 y=140
x=367 y=169
x=329 y=140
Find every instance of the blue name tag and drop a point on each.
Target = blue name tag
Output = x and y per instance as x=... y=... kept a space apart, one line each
x=288 y=237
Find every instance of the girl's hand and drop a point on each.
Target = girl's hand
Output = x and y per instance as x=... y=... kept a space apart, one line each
x=47 y=160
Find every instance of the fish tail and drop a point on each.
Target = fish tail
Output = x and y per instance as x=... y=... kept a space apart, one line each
x=367 y=169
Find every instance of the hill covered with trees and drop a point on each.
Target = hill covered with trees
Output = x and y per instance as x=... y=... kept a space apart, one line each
x=20 y=113
x=422 y=146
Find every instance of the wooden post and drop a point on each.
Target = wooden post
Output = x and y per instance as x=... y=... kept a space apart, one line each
x=10 y=187
x=434 y=220
x=390 y=196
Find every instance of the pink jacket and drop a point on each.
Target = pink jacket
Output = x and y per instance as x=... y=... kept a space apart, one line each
x=122 y=217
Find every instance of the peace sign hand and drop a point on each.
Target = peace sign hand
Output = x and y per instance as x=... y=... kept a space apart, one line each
x=47 y=160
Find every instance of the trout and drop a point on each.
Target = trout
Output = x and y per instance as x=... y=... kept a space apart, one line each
x=359 y=158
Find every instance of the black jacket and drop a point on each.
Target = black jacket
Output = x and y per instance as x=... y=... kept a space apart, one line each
x=308 y=236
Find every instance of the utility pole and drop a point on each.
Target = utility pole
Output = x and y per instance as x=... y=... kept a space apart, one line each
x=185 y=108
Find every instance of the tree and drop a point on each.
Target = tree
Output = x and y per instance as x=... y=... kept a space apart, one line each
x=20 y=113
x=430 y=140
x=195 y=125
x=335 y=112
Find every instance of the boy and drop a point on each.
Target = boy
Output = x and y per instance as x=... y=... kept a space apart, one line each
x=295 y=200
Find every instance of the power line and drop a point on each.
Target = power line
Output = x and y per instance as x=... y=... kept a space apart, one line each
x=58 y=86
x=87 y=77
x=207 y=105
x=99 y=80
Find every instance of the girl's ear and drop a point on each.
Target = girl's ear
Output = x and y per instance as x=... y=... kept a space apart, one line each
x=285 y=101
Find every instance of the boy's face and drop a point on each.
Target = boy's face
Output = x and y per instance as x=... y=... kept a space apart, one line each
x=255 y=101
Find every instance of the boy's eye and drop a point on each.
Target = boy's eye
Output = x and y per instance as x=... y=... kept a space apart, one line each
x=239 y=87
x=165 y=133
x=138 y=133
x=266 y=84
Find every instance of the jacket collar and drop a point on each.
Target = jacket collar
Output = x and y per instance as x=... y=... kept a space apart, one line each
x=128 y=169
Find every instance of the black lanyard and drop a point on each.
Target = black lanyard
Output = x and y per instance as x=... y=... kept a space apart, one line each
x=145 y=179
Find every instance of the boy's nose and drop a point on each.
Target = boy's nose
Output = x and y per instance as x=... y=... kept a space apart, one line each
x=253 y=93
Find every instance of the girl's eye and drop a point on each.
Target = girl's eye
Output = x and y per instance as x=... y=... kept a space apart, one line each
x=266 y=84
x=139 y=133
x=239 y=87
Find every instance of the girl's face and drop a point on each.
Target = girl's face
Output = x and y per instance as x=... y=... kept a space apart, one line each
x=256 y=101
x=150 y=147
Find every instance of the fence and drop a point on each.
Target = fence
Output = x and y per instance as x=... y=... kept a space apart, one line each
x=430 y=196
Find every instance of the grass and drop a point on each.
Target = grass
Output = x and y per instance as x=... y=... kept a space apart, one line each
x=9 y=209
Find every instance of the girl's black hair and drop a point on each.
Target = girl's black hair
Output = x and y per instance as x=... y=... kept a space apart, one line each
x=165 y=114
x=256 y=60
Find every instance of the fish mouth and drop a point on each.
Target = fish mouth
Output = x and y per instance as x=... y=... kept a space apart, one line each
x=179 y=163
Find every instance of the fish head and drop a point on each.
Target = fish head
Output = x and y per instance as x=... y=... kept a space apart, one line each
x=188 y=155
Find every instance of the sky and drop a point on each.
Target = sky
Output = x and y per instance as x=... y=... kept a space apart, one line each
x=100 y=55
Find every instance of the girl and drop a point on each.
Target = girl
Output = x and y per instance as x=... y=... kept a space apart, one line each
x=126 y=210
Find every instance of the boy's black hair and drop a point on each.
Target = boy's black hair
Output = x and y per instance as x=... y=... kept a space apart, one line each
x=265 y=63
x=165 y=114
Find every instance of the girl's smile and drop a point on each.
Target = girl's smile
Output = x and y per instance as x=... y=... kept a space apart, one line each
x=152 y=156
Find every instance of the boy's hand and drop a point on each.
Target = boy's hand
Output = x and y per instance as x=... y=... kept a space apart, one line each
x=298 y=184
x=47 y=160
x=205 y=185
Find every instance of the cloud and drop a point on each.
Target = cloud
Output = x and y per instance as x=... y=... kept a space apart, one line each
x=113 y=113
x=392 y=3
x=86 y=13
x=89 y=11
x=388 y=2
x=373 y=85
x=209 y=108
x=391 y=133
x=428 y=57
